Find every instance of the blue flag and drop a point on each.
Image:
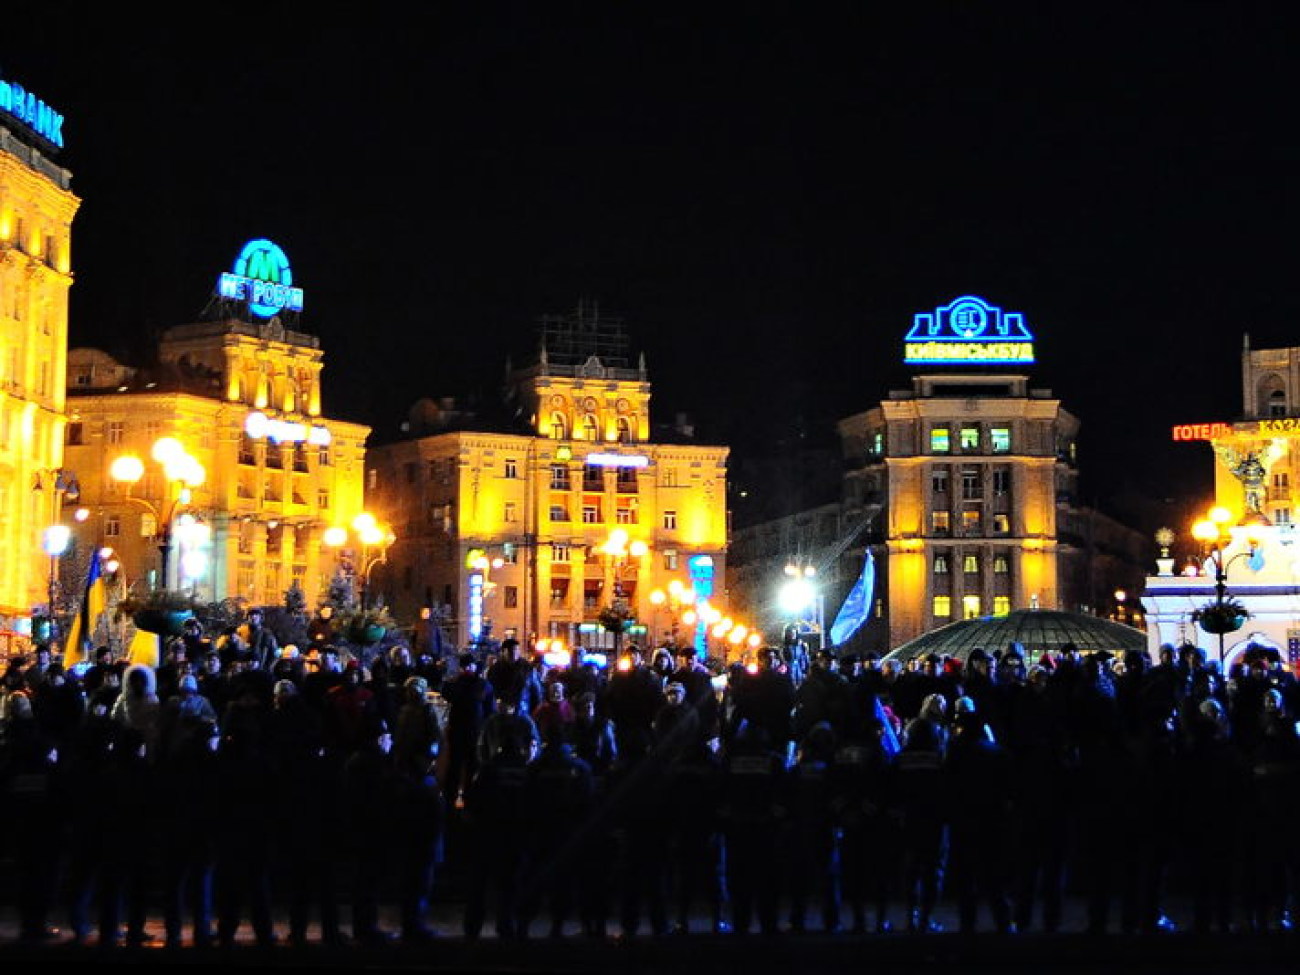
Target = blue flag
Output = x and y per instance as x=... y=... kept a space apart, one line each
x=857 y=607
x=890 y=739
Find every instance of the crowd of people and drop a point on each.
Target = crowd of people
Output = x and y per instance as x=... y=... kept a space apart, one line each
x=236 y=783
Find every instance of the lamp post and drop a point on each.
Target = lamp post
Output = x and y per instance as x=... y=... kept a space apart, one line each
x=1215 y=532
x=621 y=549
x=800 y=596
x=55 y=543
x=375 y=540
x=182 y=473
x=675 y=597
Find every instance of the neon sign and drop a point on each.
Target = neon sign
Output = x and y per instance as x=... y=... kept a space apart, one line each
x=475 y=605
x=617 y=460
x=32 y=112
x=258 y=425
x=262 y=277
x=700 y=571
x=968 y=330
x=1202 y=431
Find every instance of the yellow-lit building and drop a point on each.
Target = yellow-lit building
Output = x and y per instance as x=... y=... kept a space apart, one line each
x=532 y=526
x=268 y=474
x=37 y=207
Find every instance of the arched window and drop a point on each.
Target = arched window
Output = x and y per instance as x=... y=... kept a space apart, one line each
x=589 y=429
x=624 y=430
x=1271 y=396
x=559 y=429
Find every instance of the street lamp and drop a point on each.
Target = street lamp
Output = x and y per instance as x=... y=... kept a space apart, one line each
x=800 y=595
x=1226 y=615
x=375 y=541
x=675 y=597
x=182 y=473
x=55 y=544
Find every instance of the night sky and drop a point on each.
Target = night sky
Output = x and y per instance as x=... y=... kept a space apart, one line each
x=765 y=194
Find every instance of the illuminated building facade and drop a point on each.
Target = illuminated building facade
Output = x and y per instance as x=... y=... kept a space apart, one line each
x=1256 y=466
x=964 y=489
x=242 y=394
x=532 y=527
x=37 y=207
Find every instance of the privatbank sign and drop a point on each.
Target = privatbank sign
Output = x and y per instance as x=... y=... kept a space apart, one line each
x=262 y=278
x=22 y=105
x=968 y=331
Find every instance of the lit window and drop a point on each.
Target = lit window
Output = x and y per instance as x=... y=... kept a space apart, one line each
x=970 y=607
x=1001 y=605
x=559 y=429
x=878 y=444
x=1000 y=565
x=970 y=438
x=939 y=440
x=1000 y=440
x=940 y=522
x=970 y=563
x=940 y=565
x=670 y=560
x=1001 y=525
x=970 y=522
x=670 y=520
x=589 y=429
x=942 y=607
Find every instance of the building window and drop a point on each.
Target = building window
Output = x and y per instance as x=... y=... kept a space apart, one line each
x=561 y=553
x=939 y=443
x=1000 y=440
x=74 y=435
x=624 y=430
x=940 y=522
x=559 y=593
x=970 y=607
x=1282 y=516
x=670 y=520
x=970 y=522
x=1001 y=483
x=670 y=560
x=970 y=438
x=114 y=431
x=559 y=513
x=625 y=516
x=970 y=485
x=559 y=477
x=510 y=553
x=590 y=431
x=511 y=468
x=511 y=596
x=970 y=564
x=1001 y=525
x=511 y=512
x=941 y=565
x=112 y=526
x=669 y=477
x=591 y=514
x=878 y=444
x=323 y=498
x=942 y=607
x=939 y=482
x=593 y=478
x=559 y=429
x=625 y=480
x=1000 y=565
x=1281 y=479
x=323 y=456
x=1001 y=605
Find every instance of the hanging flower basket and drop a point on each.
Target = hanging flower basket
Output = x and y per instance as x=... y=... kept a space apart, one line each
x=1227 y=616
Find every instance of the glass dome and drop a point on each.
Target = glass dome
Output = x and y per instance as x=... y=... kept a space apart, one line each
x=1038 y=631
